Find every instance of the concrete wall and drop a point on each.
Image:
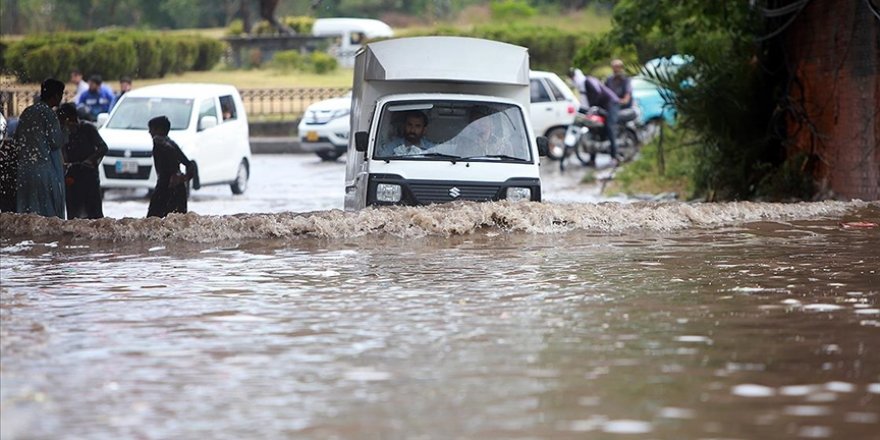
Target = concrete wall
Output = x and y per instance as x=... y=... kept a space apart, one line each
x=834 y=50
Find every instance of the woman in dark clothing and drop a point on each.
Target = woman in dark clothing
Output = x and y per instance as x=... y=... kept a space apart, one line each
x=170 y=193
x=83 y=152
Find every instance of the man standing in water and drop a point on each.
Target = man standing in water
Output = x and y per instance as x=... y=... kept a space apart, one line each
x=83 y=152
x=40 y=174
x=171 y=193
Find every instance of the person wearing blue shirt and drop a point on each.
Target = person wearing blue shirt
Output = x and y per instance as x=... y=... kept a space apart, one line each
x=95 y=100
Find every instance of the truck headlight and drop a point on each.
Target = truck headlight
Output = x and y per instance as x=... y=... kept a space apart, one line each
x=518 y=194
x=388 y=192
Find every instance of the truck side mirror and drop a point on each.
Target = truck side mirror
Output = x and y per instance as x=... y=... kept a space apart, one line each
x=361 y=139
x=543 y=147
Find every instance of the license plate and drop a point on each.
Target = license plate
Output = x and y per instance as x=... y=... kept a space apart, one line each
x=312 y=136
x=126 y=167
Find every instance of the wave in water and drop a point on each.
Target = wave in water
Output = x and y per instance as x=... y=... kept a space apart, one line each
x=448 y=219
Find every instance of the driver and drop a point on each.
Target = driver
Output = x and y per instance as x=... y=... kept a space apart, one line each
x=413 y=142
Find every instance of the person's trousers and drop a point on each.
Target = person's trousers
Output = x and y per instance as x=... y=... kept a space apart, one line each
x=611 y=127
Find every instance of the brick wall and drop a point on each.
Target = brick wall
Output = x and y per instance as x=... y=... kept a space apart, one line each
x=834 y=48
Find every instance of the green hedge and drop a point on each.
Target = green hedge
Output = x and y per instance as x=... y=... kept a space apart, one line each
x=111 y=54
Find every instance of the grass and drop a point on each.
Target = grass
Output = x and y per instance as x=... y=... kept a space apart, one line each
x=258 y=78
x=643 y=175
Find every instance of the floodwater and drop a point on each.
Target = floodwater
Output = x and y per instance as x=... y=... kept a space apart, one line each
x=473 y=321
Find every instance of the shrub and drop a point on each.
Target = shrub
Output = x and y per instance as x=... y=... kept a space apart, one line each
x=666 y=164
x=112 y=54
x=322 y=63
x=210 y=52
x=287 y=61
x=506 y=10
x=109 y=58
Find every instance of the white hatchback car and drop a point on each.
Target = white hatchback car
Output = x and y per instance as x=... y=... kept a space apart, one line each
x=324 y=128
x=553 y=108
x=208 y=121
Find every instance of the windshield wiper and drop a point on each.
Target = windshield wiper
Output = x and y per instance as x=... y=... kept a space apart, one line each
x=432 y=154
x=496 y=156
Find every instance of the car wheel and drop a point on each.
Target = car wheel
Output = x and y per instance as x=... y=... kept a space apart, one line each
x=329 y=155
x=241 y=178
x=556 y=143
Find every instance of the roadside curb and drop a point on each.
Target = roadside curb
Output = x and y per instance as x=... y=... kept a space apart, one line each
x=276 y=145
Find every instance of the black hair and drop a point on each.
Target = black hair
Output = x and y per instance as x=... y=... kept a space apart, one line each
x=416 y=114
x=96 y=79
x=125 y=79
x=160 y=124
x=67 y=111
x=50 y=88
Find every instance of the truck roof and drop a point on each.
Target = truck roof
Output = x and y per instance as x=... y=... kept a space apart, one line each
x=336 y=26
x=453 y=59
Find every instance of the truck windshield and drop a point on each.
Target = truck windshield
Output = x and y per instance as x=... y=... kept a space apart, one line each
x=134 y=113
x=452 y=130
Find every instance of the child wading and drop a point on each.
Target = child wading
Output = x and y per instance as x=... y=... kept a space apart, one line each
x=83 y=152
x=170 y=193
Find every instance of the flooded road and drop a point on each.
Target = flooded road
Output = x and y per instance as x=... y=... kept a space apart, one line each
x=563 y=321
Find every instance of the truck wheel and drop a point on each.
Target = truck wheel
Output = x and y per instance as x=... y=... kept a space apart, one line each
x=241 y=178
x=329 y=155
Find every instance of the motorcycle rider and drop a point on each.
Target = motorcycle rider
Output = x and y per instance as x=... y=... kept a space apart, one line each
x=620 y=83
x=602 y=96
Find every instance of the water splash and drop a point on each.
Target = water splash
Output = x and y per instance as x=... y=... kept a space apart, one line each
x=438 y=220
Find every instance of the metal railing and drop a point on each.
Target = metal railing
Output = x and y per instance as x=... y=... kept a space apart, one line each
x=269 y=103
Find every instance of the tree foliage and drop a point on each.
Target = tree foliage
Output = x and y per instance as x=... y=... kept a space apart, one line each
x=726 y=96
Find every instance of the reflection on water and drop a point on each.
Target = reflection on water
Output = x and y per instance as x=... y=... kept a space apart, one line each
x=708 y=327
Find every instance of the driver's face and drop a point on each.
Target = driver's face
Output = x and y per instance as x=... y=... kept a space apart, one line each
x=414 y=130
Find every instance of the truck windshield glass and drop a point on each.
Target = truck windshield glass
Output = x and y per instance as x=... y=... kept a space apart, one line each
x=134 y=113
x=452 y=130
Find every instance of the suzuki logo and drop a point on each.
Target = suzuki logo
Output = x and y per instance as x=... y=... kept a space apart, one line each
x=454 y=192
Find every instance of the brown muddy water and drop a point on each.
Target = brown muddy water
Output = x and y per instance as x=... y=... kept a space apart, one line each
x=535 y=321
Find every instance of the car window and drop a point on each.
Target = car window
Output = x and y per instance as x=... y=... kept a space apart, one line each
x=134 y=113
x=557 y=94
x=538 y=92
x=208 y=107
x=227 y=107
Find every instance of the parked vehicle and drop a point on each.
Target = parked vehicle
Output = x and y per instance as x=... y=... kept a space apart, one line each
x=463 y=98
x=208 y=121
x=553 y=107
x=587 y=135
x=352 y=34
x=324 y=128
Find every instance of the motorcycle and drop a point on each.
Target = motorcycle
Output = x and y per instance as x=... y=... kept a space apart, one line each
x=586 y=136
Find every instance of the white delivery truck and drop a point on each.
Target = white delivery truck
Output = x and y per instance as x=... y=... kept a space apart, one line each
x=440 y=119
x=350 y=35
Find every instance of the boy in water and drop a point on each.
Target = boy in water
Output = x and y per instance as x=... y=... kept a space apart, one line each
x=83 y=152
x=171 y=192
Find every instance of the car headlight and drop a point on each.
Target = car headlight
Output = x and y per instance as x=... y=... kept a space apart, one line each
x=388 y=192
x=340 y=113
x=518 y=194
